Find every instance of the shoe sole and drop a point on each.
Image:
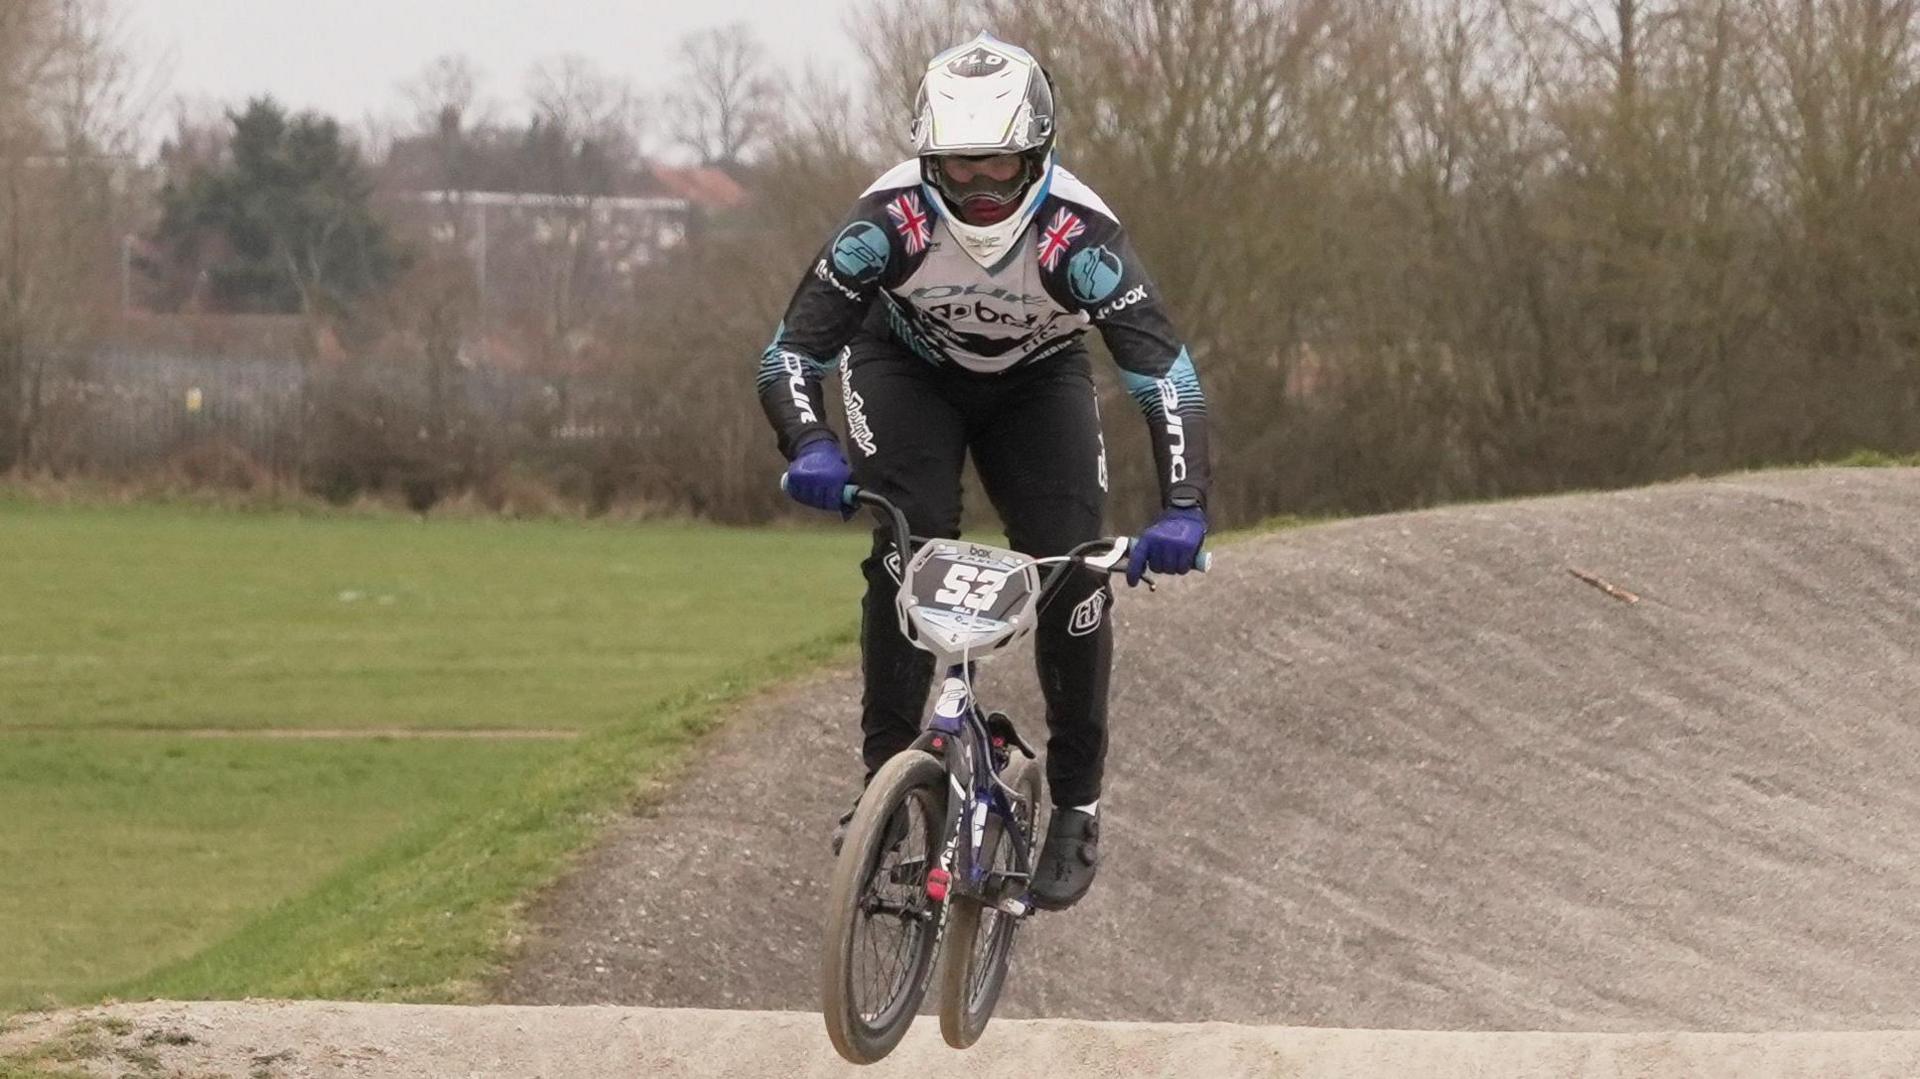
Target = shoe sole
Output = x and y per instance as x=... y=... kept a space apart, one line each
x=1058 y=903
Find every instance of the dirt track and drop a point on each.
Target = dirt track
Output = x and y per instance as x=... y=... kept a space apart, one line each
x=1408 y=772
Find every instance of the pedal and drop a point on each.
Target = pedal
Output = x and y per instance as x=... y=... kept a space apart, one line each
x=1007 y=892
x=1003 y=733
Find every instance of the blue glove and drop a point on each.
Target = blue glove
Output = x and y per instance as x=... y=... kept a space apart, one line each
x=818 y=477
x=1169 y=545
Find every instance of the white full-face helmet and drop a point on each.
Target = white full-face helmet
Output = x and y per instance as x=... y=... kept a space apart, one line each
x=984 y=98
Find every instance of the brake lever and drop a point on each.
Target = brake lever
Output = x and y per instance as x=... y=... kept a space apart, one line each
x=1110 y=561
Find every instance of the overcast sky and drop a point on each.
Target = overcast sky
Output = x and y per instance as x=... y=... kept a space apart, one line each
x=348 y=57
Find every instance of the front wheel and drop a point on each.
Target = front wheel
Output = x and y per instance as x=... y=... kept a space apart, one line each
x=881 y=925
x=978 y=940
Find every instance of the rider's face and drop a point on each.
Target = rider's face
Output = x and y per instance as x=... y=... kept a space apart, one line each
x=985 y=194
x=1000 y=168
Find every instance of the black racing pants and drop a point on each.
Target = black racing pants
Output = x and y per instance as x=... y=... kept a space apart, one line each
x=1035 y=438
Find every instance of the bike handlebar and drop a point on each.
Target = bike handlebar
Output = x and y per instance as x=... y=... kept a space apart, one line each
x=903 y=539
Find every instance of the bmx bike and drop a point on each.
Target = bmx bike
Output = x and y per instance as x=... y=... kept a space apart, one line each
x=938 y=857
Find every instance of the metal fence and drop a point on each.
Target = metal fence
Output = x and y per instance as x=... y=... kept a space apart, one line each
x=119 y=410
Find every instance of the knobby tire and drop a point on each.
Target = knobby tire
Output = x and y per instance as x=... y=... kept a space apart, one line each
x=871 y=879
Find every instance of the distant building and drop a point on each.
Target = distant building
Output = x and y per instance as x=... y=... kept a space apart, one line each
x=621 y=232
x=548 y=236
x=706 y=188
x=490 y=194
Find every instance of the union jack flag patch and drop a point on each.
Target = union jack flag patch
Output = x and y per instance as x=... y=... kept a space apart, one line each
x=1065 y=228
x=911 y=221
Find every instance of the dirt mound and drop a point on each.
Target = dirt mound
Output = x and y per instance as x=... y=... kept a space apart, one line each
x=397 y=1041
x=1406 y=772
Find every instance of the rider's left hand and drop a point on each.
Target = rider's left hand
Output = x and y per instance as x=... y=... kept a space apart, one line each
x=1169 y=545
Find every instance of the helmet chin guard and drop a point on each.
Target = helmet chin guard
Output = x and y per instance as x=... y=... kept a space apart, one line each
x=988 y=245
x=977 y=99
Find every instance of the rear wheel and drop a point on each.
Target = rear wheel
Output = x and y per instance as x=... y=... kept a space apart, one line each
x=881 y=926
x=978 y=940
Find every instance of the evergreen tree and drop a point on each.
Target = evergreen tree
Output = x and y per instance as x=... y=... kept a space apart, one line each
x=284 y=224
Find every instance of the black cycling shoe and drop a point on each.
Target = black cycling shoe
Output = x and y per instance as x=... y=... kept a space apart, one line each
x=1068 y=861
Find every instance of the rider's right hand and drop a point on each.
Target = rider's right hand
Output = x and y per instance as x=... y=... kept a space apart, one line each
x=818 y=476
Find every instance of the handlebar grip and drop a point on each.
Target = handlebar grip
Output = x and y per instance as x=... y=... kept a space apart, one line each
x=848 y=494
x=1203 y=562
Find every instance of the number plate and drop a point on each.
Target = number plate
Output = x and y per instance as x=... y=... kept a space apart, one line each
x=961 y=596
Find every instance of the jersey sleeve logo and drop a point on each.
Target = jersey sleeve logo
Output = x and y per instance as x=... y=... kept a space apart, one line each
x=860 y=251
x=1094 y=274
x=911 y=221
x=1062 y=231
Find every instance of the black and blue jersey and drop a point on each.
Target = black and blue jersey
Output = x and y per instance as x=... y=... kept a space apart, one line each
x=896 y=268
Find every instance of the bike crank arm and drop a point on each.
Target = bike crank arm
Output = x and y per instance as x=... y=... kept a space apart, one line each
x=903 y=911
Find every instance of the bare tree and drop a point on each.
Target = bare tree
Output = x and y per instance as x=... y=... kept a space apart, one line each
x=1837 y=91
x=67 y=101
x=818 y=149
x=583 y=144
x=587 y=124
x=445 y=95
x=726 y=98
x=449 y=119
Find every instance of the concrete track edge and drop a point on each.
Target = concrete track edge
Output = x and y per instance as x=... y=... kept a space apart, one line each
x=294 y=1040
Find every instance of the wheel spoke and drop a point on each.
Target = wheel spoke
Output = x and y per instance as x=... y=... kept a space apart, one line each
x=892 y=903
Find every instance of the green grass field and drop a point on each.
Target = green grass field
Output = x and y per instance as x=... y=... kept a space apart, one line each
x=155 y=618
x=152 y=841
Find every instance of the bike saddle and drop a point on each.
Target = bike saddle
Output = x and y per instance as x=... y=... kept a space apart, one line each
x=1001 y=729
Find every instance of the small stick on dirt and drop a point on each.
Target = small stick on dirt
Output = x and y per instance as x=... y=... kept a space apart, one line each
x=1620 y=594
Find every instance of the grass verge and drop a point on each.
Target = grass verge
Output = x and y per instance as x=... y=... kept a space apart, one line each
x=1877 y=459
x=432 y=916
x=125 y=852
x=80 y=1041
x=148 y=850
x=102 y=1043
